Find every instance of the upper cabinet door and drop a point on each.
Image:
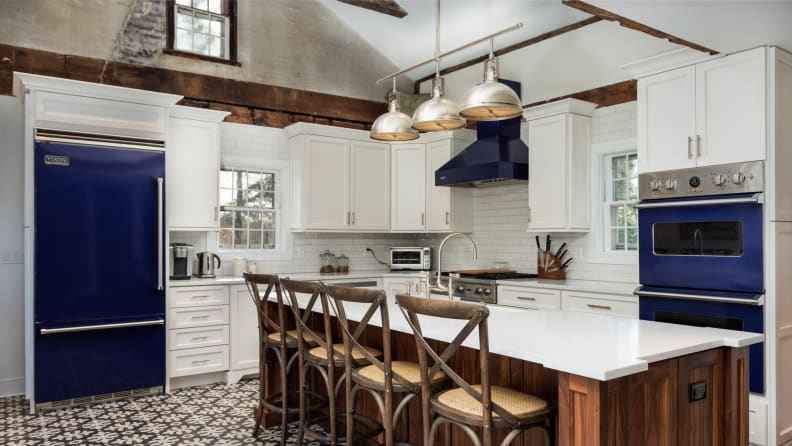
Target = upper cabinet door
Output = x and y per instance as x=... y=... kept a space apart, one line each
x=192 y=169
x=408 y=187
x=369 y=193
x=547 y=161
x=731 y=113
x=438 y=206
x=326 y=182
x=666 y=120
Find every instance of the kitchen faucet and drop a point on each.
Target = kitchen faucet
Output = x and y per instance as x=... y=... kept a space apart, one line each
x=439 y=285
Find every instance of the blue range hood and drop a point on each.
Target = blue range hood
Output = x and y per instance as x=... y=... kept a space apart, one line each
x=498 y=156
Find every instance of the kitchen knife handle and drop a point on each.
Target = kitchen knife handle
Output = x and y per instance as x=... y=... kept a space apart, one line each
x=160 y=248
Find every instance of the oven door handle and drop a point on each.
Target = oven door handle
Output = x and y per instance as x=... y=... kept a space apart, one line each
x=755 y=198
x=758 y=301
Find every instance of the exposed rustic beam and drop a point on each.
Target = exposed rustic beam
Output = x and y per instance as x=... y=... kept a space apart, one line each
x=532 y=41
x=613 y=94
x=388 y=7
x=632 y=24
x=197 y=87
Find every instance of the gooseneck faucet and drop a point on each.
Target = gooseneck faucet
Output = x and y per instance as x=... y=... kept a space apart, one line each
x=439 y=285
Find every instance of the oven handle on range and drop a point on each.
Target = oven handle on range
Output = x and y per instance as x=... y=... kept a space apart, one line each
x=755 y=198
x=759 y=301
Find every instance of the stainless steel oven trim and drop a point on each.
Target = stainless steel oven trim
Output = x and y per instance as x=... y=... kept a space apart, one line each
x=758 y=301
x=755 y=198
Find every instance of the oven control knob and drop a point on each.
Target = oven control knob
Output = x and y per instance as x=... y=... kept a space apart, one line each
x=719 y=179
x=655 y=185
x=487 y=291
x=738 y=178
x=670 y=184
x=460 y=289
x=479 y=290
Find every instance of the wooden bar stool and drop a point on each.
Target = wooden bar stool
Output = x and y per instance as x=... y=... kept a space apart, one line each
x=325 y=358
x=381 y=379
x=273 y=336
x=482 y=405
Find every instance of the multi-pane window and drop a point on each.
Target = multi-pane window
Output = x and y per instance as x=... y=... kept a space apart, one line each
x=202 y=27
x=248 y=210
x=621 y=195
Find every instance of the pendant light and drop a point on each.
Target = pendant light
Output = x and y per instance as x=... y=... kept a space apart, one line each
x=437 y=113
x=393 y=125
x=491 y=100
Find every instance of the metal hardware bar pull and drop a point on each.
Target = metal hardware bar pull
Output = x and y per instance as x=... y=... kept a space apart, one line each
x=759 y=301
x=160 y=247
x=45 y=331
x=755 y=198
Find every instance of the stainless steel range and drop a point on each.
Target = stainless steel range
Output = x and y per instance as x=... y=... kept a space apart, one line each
x=481 y=287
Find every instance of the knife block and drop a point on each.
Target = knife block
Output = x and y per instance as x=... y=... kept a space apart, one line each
x=545 y=264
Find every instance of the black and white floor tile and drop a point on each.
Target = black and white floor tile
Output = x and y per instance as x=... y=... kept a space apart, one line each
x=215 y=414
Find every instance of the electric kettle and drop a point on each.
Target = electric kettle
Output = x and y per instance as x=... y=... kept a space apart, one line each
x=206 y=264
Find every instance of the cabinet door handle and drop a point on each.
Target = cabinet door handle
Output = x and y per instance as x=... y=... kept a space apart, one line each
x=160 y=233
x=448 y=217
x=698 y=146
x=422 y=219
x=348 y=218
x=599 y=307
x=215 y=213
x=353 y=218
x=690 y=147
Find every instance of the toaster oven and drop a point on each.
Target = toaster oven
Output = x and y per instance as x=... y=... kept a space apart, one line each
x=411 y=258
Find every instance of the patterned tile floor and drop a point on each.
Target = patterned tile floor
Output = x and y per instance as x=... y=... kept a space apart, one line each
x=215 y=414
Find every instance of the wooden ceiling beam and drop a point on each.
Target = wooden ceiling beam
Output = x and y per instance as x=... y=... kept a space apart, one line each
x=388 y=7
x=612 y=94
x=505 y=50
x=632 y=24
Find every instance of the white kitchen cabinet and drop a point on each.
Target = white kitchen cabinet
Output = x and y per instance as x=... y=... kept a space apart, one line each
x=244 y=335
x=448 y=209
x=193 y=165
x=703 y=115
x=408 y=186
x=340 y=180
x=530 y=298
x=559 y=141
x=612 y=304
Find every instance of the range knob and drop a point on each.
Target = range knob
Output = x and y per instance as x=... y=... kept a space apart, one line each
x=738 y=177
x=479 y=290
x=487 y=291
x=460 y=289
x=655 y=185
x=670 y=184
x=719 y=179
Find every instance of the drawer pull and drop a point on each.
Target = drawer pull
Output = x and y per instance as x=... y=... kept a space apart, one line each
x=200 y=361
x=202 y=296
x=200 y=338
x=526 y=298
x=205 y=316
x=599 y=307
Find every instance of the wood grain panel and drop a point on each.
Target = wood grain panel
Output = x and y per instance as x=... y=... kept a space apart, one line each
x=581 y=402
x=735 y=420
x=604 y=96
x=700 y=422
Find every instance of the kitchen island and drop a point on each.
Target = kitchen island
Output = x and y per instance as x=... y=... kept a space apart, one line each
x=614 y=380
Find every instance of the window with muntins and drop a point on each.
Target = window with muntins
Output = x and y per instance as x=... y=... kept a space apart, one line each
x=248 y=209
x=620 y=196
x=203 y=27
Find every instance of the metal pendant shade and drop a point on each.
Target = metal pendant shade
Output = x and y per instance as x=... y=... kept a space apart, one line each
x=393 y=125
x=491 y=100
x=438 y=113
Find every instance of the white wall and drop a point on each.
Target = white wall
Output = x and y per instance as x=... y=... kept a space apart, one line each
x=501 y=217
x=12 y=344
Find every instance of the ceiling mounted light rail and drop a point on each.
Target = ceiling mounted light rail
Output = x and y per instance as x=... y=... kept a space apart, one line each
x=393 y=125
x=488 y=101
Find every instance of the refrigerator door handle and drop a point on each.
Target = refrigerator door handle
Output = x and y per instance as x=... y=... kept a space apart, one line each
x=160 y=248
x=45 y=331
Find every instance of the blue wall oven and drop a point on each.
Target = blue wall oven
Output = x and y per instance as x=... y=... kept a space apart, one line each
x=701 y=259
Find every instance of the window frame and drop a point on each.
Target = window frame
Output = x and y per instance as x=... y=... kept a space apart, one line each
x=230 y=12
x=599 y=239
x=283 y=237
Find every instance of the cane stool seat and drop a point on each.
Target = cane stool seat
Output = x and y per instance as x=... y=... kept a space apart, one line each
x=521 y=405
x=319 y=354
x=373 y=377
x=291 y=338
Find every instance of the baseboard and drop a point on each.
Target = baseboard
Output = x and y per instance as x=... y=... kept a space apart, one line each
x=12 y=386
x=197 y=380
x=234 y=376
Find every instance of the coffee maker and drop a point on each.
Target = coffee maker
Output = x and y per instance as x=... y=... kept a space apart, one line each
x=181 y=261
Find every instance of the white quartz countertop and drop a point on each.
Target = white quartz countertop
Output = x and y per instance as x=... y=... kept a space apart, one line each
x=596 y=346
x=335 y=277
x=593 y=286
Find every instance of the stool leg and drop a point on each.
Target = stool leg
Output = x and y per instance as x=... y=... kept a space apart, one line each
x=262 y=390
x=284 y=393
x=350 y=406
x=332 y=400
x=302 y=371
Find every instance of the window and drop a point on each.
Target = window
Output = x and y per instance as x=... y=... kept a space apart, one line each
x=203 y=28
x=614 y=231
x=248 y=209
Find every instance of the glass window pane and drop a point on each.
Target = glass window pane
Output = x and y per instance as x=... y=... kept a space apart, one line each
x=215 y=48
x=226 y=239
x=239 y=197
x=269 y=240
x=268 y=220
x=253 y=180
x=632 y=193
x=617 y=215
x=226 y=178
x=268 y=200
x=632 y=239
x=238 y=180
x=200 y=4
x=202 y=23
x=184 y=2
x=617 y=239
x=226 y=197
x=216 y=6
x=618 y=167
x=632 y=216
x=240 y=239
x=226 y=219
x=216 y=27
x=184 y=40
x=633 y=166
x=200 y=44
x=620 y=190
x=255 y=239
x=240 y=219
x=254 y=220
x=184 y=21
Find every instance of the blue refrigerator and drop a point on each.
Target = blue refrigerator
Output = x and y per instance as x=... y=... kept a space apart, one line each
x=99 y=307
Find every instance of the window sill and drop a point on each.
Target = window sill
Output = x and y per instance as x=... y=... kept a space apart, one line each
x=172 y=52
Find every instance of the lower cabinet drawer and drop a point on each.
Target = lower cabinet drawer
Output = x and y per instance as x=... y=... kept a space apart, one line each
x=626 y=306
x=536 y=298
x=200 y=296
x=197 y=316
x=198 y=337
x=193 y=361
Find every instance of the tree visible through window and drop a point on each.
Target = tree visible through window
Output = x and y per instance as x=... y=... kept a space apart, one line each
x=621 y=195
x=248 y=212
x=203 y=27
